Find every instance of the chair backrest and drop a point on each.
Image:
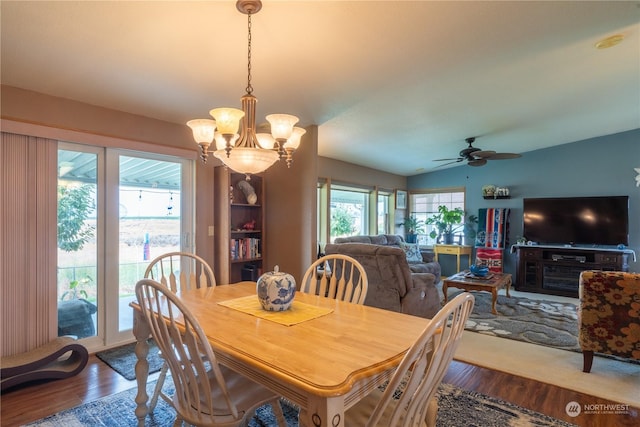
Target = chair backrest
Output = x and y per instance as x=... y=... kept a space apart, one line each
x=188 y=353
x=423 y=367
x=338 y=277
x=180 y=270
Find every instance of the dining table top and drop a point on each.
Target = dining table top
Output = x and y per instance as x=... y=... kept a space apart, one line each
x=324 y=355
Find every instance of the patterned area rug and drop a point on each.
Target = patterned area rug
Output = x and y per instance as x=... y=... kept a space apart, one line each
x=123 y=359
x=457 y=408
x=549 y=323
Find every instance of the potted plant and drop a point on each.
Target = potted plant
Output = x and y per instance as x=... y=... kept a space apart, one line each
x=412 y=227
x=448 y=221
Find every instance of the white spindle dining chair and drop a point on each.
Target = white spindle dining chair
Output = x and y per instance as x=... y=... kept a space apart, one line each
x=336 y=276
x=206 y=393
x=418 y=375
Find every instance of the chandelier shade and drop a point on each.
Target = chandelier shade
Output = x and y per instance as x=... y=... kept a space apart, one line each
x=248 y=160
x=234 y=130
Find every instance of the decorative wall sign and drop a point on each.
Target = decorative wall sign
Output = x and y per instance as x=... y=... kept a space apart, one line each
x=401 y=199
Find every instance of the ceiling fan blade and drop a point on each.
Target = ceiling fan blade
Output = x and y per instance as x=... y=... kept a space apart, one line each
x=458 y=159
x=484 y=154
x=450 y=163
x=477 y=162
x=504 y=156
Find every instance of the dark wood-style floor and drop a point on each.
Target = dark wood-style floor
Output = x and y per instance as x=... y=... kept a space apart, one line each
x=26 y=404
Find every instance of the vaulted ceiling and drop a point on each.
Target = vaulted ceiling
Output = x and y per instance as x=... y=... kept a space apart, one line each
x=392 y=85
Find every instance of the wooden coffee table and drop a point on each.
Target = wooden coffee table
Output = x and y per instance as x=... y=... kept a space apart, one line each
x=492 y=283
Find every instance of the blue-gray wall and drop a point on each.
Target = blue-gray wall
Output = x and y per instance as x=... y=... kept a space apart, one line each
x=602 y=166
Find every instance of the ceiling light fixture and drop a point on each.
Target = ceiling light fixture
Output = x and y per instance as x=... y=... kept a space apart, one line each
x=247 y=152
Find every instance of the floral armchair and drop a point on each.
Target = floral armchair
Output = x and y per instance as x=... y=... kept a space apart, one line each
x=609 y=315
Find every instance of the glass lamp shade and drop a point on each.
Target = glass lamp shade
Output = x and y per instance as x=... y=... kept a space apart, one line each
x=248 y=160
x=265 y=140
x=203 y=130
x=227 y=119
x=294 y=140
x=281 y=125
x=221 y=143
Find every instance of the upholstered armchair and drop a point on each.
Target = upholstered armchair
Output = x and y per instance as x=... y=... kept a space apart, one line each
x=609 y=315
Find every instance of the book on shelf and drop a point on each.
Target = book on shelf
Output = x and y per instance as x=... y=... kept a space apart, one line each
x=246 y=248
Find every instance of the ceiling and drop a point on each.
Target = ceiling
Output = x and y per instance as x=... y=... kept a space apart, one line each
x=392 y=85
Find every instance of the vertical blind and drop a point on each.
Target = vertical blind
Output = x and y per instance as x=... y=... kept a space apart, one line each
x=29 y=231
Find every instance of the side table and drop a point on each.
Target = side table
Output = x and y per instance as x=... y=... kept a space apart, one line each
x=456 y=250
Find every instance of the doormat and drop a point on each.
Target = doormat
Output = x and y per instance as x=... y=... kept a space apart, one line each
x=123 y=359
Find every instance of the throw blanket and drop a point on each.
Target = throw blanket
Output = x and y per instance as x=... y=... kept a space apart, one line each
x=493 y=225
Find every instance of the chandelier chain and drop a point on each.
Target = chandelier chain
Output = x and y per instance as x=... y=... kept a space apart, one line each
x=249 y=87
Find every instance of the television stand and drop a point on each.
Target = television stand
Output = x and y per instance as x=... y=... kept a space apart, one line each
x=555 y=270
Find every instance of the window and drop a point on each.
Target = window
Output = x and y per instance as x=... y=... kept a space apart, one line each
x=349 y=211
x=424 y=204
x=384 y=212
x=117 y=210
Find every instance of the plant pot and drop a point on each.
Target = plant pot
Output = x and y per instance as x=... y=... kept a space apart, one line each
x=411 y=238
x=447 y=238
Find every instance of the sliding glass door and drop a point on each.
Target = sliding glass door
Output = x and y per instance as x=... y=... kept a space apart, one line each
x=125 y=209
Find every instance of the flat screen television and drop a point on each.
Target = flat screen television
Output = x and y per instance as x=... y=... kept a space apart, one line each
x=599 y=221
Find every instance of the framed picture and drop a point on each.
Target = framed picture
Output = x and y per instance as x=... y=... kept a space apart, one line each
x=401 y=199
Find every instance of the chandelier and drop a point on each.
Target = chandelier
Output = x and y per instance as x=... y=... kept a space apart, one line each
x=247 y=152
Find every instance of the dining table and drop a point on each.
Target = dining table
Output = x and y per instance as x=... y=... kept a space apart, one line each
x=322 y=354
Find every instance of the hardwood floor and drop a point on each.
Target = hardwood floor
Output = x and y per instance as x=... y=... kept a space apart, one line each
x=26 y=404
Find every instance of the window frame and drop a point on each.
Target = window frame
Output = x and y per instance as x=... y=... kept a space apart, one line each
x=424 y=240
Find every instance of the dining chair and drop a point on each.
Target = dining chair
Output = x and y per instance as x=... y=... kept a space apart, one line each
x=409 y=398
x=180 y=270
x=206 y=393
x=177 y=271
x=336 y=276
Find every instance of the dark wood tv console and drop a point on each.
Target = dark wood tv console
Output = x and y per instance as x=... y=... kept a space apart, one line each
x=555 y=270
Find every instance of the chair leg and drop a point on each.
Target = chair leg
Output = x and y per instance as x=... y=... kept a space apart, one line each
x=158 y=389
x=587 y=357
x=432 y=413
x=277 y=411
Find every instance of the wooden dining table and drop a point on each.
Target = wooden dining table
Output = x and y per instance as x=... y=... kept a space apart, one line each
x=324 y=364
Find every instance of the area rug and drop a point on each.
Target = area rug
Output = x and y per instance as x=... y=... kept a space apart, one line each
x=541 y=322
x=457 y=408
x=123 y=359
x=550 y=323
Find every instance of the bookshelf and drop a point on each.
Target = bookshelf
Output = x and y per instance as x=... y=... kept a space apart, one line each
x=239 y=226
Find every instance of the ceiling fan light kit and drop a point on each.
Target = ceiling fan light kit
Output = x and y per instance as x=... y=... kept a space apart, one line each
x=477 y=157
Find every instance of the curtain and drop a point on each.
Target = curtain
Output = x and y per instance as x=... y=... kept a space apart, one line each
x=28 y=218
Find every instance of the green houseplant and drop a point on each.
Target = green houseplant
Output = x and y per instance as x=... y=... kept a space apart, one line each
x=448 y=221
x=412 y=227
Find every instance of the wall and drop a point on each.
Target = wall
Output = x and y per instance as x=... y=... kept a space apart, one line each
x=291 y=209
x=600 y=166
x=347 y=172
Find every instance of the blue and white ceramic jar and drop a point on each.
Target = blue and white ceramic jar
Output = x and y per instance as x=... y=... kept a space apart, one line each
x=276 y=290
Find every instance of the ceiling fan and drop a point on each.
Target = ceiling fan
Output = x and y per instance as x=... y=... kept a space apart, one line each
x=477 y=157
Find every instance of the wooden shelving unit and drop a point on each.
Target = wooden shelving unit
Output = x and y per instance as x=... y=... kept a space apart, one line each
x=239 y=228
